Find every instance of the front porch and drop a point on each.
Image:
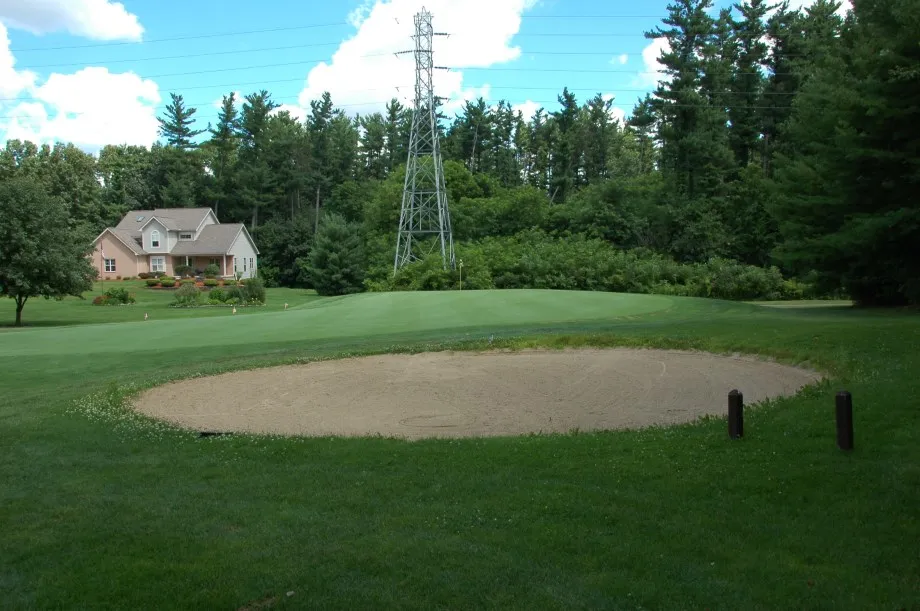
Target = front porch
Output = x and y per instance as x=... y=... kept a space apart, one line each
x=198 y=263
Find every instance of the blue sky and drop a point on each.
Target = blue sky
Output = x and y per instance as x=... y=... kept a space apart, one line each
x=98 y=71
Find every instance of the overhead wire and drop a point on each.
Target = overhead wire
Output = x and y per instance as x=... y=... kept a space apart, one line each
x=335 y=24
x=283 y=29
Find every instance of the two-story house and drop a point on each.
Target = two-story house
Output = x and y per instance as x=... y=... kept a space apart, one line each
x=159 y=240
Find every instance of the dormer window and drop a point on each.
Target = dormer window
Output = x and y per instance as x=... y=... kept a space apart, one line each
x=154 y=239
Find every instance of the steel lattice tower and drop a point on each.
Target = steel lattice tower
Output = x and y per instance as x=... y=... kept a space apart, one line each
x=424 y=220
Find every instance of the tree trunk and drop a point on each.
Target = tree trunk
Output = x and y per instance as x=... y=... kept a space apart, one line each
x=20 y=304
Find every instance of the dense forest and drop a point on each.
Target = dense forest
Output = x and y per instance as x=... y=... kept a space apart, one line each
x=777 y=159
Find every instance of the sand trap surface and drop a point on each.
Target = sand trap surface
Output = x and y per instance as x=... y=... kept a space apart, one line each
x=461 y=394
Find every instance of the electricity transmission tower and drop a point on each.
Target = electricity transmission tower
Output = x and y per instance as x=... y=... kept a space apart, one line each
x=424 y=220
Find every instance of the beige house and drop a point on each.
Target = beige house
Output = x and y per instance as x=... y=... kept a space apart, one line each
x=159 y=240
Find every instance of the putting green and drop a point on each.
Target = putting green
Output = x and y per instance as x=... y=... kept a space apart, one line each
x=355 y=316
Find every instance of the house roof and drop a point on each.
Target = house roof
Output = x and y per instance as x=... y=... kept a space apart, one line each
x=175 y=219
x=125 y=237
x=131 y=240
x=213 y=240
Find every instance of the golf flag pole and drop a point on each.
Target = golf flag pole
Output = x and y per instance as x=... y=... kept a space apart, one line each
x=102 y=269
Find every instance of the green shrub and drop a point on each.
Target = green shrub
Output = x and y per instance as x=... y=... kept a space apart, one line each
x=121 y=296
x=187 y=281
x=215 y=302
x=188 y=294
x=335 y=265
x=217 y=294
x=211 y=271
x=253 y=291
x=115 y=297
x=532 y=259
x=233 y=292
x=211 y=282
x=152 y=281
x=184 y=270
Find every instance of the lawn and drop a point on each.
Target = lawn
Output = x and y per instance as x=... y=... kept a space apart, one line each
x=75 y=311
x=100 y=509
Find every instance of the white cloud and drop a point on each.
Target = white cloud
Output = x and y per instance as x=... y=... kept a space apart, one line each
x=620 y=59
x=98 y=19
x=615 y=111
x=527 y=109
x=238 y=100
x=364 y=72
x=91 y=108
x=845 y=5
x=654 y=70
x=12 y=82
x=297 y=112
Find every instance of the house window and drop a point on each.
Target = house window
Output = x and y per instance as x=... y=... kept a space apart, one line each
x=155 y=239
x=214 y=261
x=244 y=264
x=158 y=264
x=251 y=266
x=110 y=265
x=185 y=236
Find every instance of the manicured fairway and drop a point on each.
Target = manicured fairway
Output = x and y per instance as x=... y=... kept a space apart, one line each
x=101 y=509
x=359 y=316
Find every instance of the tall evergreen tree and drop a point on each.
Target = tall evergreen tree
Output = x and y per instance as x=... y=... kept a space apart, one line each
x=598 y=132
x=175 y=124
x=748 y=80
x=566 y=150
x=847 y=201
x=694 y=151
x=255 y=176
x=223 y=148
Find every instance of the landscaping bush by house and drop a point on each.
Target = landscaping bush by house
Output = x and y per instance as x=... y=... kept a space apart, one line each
x=211 y=271
x=211 y=282
x=115 y=297
x=250 y=293
x=188 y=295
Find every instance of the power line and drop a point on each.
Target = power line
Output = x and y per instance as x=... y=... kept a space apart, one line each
x=183 y=56
x=282 y=48
x=289 y=29
x=175 y=38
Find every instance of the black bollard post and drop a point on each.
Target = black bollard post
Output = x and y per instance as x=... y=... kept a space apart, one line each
x=844 y=420
x=735 y=414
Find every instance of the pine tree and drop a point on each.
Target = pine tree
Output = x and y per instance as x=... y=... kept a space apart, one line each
x=847 y=204
x=335 y=265
x=223 y=147
x=694 y=151
x=748 y=81
x=255 y=176
x=566 y=151
x=176 y=123
x=598 y=131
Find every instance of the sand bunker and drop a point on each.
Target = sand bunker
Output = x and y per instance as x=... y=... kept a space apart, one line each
x=450 y=394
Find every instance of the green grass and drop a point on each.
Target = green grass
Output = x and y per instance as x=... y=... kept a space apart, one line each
x=103 y=509
x=41 y=312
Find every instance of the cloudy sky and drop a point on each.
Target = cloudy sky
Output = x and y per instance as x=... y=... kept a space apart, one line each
x=94 y=72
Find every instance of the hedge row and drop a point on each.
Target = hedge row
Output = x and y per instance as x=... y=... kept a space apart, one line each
x=533 y=259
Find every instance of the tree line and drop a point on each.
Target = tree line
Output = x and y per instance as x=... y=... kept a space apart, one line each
x=781 y=144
